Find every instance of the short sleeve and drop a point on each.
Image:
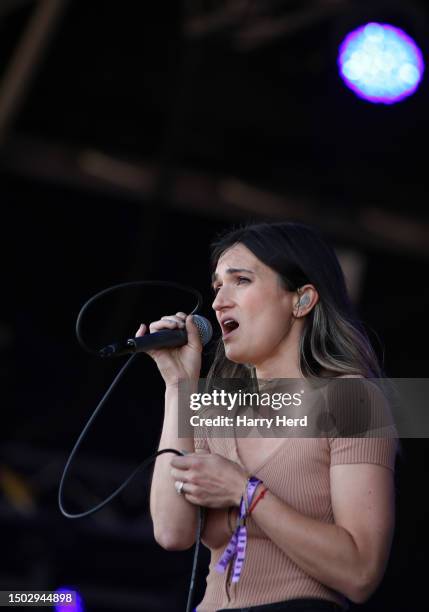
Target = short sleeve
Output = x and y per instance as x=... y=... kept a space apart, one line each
x=381 y=451
x=364 y=426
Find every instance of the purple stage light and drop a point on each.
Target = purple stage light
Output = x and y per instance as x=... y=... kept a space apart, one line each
x=380 y=63
x=76 y=606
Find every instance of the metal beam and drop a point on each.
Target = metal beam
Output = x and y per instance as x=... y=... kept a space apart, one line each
x=9 y=6
x=25 y=61
x=213 y=196
x=265 y=30
x=253 y=24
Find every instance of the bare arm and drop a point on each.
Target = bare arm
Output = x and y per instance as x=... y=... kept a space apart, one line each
x=217 y=529
x=350 y=555
x=174 y=518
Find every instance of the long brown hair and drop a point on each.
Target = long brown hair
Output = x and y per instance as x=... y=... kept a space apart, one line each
x=333 y=339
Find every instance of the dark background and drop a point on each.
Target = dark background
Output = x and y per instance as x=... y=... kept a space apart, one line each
x=130 y=135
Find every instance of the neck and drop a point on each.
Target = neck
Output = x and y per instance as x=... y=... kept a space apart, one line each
x=284 y=362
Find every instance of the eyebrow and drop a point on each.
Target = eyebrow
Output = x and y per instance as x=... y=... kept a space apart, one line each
x=230 y=271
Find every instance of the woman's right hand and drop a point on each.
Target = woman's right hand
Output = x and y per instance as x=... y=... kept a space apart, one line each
x=183 y=362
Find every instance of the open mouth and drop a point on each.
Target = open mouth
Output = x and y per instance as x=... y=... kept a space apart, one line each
x=229 y=326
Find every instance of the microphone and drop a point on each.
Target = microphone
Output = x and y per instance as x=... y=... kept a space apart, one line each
x=168 y=338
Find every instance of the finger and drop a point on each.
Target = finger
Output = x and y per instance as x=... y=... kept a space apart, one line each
x=141 y=331
x=194 y=339
x=164 y=324
x=188 y=488
x=178 y=474
x=182 y=463
x=181 y=315
x=175 y=318
x=192 y=499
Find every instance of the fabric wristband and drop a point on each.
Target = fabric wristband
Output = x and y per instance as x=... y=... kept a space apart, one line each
x=236 y=548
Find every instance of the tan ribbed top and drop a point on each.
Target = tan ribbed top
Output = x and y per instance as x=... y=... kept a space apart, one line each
x=298 y=473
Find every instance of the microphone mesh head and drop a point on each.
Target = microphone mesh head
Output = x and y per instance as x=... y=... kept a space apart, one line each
x=205 y=328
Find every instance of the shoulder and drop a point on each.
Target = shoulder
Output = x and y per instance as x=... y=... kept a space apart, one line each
x=364 y=429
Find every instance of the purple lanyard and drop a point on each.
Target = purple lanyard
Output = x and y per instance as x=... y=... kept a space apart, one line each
x=237 y=544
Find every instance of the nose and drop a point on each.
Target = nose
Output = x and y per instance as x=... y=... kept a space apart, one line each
x=222 y=300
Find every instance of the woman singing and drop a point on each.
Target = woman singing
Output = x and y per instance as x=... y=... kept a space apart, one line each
x=319 y=512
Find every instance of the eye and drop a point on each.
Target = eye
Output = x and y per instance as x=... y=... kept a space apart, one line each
x=239 y=280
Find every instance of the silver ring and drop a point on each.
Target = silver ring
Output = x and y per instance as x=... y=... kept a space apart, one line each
x=179 y=484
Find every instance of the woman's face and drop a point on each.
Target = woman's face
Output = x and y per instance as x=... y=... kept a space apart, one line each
x=252 y=308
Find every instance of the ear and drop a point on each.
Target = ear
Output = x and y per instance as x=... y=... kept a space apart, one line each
x=305 y=300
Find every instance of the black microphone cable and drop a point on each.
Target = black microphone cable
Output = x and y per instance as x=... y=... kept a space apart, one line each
x=104 y=399
x=104 y=292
